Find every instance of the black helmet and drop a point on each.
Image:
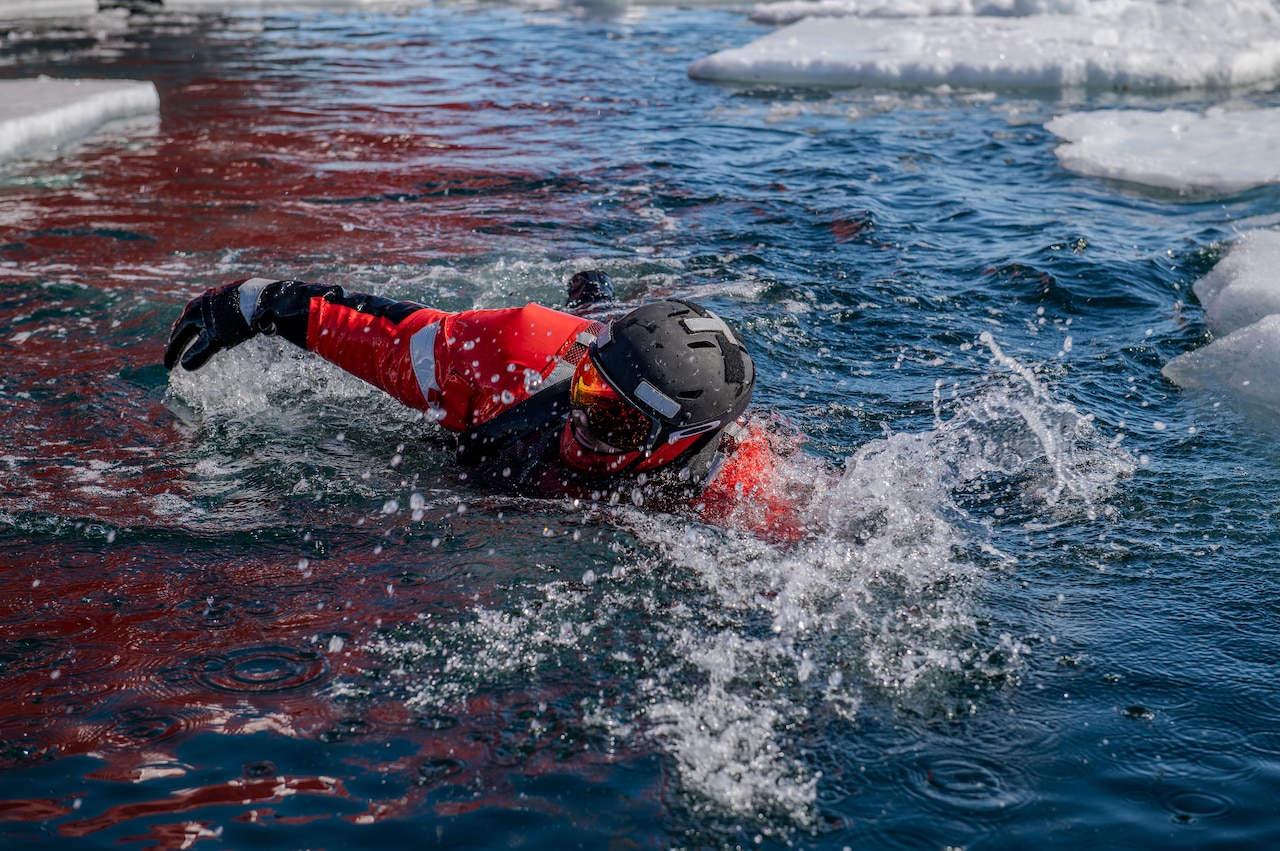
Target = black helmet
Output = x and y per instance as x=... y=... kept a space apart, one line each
x=680 y=364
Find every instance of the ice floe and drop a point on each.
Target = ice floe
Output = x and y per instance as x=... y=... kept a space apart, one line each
x=790 y=11
x=1216 y=151
x=42 y=113
x=1241 y=301
x=1119 y=44
x=20 y=9
x=271 y=5
x=1245 y=285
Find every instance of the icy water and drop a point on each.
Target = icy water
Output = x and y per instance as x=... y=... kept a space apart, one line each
x=256 y=606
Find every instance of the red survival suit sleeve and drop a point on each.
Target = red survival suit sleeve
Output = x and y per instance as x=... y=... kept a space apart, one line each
x=461 y=368
x=752 y=490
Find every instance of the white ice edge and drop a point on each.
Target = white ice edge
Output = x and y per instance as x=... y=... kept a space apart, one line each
x=1148 y=48
x=1241 y=301
x=43 y=112
x=272 y=5
x=1220 y=150
x=11 y=10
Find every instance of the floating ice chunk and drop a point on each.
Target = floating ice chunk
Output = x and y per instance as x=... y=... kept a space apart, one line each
x=227 y=5
x=1145 y=46
x=1217 y=151
x=790 y=11
x=1241 y=299
x=1244 y=362
x=45 y=112
x=19 y=9
x=1244 y=286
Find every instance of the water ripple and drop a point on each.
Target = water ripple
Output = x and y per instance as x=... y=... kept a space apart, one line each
x=977 y=787
x=260 y=670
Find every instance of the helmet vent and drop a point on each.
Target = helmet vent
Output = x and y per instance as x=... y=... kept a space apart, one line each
x=702 y=344
x=734 y=369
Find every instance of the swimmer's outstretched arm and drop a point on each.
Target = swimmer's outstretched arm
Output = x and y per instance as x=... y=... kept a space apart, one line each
x=370 y=336
x=460 y=368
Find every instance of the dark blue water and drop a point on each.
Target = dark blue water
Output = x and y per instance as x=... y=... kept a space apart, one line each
x=256 y=607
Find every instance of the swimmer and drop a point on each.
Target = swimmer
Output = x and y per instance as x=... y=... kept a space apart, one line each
x=543 y=402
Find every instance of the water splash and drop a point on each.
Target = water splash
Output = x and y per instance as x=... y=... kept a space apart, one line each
x=723 y=648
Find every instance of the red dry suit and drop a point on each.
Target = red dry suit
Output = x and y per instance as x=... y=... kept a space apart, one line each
x=499 y=380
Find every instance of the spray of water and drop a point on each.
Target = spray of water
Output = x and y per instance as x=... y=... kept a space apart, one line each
x=724 y=648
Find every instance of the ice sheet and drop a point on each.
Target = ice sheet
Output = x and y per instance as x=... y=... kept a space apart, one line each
x=1123 y=45
x=1216 y=151
x=44 y=112
x=1241 y=300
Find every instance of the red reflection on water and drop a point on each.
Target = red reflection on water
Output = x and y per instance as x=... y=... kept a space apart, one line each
x=33 y=809
x=127 y=631
x=127 y=659
x=243 y=792
x=285 y=186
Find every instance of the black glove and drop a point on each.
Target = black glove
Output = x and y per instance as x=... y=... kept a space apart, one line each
x=589 y=287
x=209 y=323
x=216 y=320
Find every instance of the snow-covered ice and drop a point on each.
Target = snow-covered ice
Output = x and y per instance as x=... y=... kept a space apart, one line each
x=44 y=112
x=1120 y=44
x=1216 y=151
x=20 y=9
x=1241 y=301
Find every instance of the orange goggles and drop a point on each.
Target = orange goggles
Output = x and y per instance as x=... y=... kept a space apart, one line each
x=615 y=425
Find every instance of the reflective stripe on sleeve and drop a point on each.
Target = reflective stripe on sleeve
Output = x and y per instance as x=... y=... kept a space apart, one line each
x=422 y=352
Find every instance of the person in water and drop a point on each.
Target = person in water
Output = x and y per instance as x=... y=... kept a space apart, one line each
x=544 y=402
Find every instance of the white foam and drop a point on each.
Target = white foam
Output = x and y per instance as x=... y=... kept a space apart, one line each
x=1122 y=43
x=21 y=9
x=1216 y=151
x=45 y=113
x=1241 y=300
